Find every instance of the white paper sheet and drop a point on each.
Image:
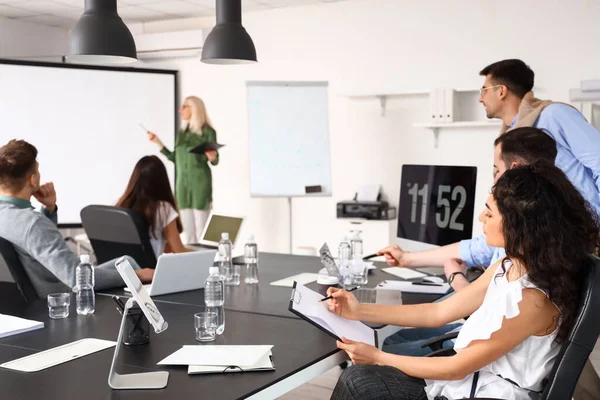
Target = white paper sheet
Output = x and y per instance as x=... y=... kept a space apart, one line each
x=10 y=325
x=265 y=364
x=300 y=278
x=368 y=193
x=58 y=355
x=404 y=273
x=307 y=302
x=409 y=287
x=216 y=355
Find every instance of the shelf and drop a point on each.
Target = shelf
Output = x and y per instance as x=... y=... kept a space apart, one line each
x=459 y=124
x=383 y=96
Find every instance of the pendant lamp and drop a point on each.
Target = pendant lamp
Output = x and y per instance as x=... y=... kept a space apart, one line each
x=228 y=42
x=100 y=36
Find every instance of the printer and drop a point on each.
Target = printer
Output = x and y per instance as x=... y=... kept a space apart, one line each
x=365 y=209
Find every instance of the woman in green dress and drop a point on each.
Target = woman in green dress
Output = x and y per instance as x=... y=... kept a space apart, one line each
x=193 y=183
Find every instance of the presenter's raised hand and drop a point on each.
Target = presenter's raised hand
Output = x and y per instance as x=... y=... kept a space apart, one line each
x=154 y=139
x=343 y=303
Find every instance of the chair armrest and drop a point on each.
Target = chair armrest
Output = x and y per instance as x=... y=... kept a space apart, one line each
x=436 y=343
x=442 y=353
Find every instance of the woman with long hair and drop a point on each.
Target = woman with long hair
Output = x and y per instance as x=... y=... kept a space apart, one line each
x=521 y=309
x=149 y=194
x=193 y=184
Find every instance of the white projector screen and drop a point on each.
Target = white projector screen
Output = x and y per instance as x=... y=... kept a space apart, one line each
x=85 y=123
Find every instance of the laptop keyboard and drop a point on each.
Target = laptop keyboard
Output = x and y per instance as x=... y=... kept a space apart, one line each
x=368 y=296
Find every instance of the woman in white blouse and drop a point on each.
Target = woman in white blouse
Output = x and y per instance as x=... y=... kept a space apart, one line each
x=149 y=194
x=520 y=310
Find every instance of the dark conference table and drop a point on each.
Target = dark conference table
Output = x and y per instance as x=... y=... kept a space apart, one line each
x=255 y=315
x=266 y=299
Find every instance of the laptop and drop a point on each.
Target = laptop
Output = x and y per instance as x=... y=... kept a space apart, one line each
x=364 y=295
x=215 y=225
x=180 y=272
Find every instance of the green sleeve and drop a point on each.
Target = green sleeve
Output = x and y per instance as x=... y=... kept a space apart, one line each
x=170 y=154
x=211 y=136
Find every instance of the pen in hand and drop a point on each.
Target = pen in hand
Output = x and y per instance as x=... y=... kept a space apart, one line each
x=331 y=297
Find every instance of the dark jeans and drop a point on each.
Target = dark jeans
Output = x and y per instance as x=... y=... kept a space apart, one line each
x=408 y=342
x=375 y=382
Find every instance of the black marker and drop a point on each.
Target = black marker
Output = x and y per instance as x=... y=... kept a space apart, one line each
x=427 y=284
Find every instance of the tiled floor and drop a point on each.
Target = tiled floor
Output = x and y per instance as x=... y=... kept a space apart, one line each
x=322 y=386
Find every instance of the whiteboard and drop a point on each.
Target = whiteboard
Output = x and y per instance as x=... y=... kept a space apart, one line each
x=84 y=122
x=288 y=128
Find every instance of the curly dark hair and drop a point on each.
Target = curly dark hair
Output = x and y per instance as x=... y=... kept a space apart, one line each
x=549 y=227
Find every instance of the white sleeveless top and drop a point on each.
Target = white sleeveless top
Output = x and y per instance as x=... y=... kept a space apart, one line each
x=527 y=365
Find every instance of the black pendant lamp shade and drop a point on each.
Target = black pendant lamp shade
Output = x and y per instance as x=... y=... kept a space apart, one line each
x=101 y=36
x=228 y=42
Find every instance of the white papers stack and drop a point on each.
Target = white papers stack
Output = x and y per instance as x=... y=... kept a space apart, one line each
x=300 y=278
x=410 y=287
x=10 y=325
x=58 y=355
x=404 y=273
x=205 y=359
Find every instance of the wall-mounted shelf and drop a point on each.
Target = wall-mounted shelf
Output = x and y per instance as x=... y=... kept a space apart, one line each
x=458 y=124
x=383 y=96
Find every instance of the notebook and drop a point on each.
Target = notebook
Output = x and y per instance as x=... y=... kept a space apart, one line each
x=10 y=325
x=264 y=364
x=58 y=355
x=217 y=355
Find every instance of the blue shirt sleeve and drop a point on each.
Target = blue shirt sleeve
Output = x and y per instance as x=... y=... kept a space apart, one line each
x=476 y=252
x=569 y=127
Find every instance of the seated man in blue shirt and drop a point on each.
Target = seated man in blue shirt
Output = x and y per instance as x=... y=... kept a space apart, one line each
x=521 y=146
x=45 y=256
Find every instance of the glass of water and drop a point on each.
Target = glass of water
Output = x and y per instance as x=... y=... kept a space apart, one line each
x=58 y=305
x=359 y=270
x=206 y=326
x=232 y=275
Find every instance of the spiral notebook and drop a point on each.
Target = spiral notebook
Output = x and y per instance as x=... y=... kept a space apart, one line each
x=265 y=364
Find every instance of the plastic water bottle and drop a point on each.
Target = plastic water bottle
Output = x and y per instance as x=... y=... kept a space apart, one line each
x=214 y=297
x=84 y=286
x=251 y=260
x=356 y=244
x=358 y=268
x=225 y=247
x=344 y=252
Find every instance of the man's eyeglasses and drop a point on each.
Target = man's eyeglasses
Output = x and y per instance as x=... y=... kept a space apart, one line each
x=483 y=89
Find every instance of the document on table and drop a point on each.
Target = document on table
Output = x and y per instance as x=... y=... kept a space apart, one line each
x=415 y=287
x=307 y=305
x=214 y=355
x=404 y=273
x=264 y=364
x=300 y=278
x=10 y=325
x=58 y=355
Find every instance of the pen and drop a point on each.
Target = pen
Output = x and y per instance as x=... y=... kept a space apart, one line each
x=331 y=297
x=121 y=308
x=370 y=256
x=427 y=284
x=143 y=127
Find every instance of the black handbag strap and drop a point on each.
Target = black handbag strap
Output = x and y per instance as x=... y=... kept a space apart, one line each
x=474 y=384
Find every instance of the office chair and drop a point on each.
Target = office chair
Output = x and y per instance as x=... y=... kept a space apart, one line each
x=23 y=284
x=575 y=350
x=115 y=232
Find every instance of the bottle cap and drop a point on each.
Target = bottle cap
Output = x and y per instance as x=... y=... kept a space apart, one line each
x=84 y=258
x=225 y=235
x=213 y=270
x=251 y=238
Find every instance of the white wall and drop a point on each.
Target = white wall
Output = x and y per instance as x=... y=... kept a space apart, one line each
x=383 y=45
x=22 y=39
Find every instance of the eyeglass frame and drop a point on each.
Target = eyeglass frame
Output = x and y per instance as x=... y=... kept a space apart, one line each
x=484 y=88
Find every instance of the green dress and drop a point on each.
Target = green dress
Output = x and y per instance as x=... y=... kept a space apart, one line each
x=193 y=183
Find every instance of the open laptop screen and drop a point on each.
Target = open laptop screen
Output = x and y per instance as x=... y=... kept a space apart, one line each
x=221 y=223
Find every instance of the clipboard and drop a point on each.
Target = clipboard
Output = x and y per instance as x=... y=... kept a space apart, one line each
x=330 y=323
x=201 y=149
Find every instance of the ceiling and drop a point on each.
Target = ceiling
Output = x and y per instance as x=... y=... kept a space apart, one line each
x=64 y=13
